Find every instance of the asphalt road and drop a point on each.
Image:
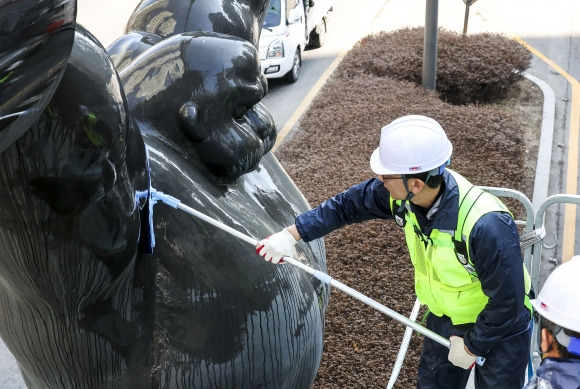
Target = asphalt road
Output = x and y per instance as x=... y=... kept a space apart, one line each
x=551 y=29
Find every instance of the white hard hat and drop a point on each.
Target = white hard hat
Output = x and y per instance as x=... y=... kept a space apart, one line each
x=559 y=300
x=411 y=144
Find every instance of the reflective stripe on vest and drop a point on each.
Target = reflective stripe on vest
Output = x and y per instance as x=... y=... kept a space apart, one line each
x=441 y=281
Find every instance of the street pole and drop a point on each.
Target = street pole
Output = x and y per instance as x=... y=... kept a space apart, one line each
x=467 y=5
x=430 y=45
x=466 y=18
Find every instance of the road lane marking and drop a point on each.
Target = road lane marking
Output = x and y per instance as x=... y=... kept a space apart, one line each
x=569 y=225
x=569 y=233
x=297 y=114
x=373 y=9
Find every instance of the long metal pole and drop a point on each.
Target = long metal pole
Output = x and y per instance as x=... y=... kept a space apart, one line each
x=430 y=45
x=175 y=203
x=466 y=18
x=404 y=347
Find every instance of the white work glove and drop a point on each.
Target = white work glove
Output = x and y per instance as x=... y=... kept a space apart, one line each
x=274 y=247
x=458 y=355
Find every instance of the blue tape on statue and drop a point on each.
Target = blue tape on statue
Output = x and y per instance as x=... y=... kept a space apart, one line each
x=574 y=346
x=150 y=221
x=145 y=204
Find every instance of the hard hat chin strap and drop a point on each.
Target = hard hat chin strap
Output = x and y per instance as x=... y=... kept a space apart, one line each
x=572 y=344
x=409 y=193
x=433 y=172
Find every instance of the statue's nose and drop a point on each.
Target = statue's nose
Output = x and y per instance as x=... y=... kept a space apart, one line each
x=264 y=82
x=265 y=126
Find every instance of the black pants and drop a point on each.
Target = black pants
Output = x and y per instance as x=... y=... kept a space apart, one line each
x=504 y=367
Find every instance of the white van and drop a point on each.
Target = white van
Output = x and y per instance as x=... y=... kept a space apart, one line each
x=289 y=26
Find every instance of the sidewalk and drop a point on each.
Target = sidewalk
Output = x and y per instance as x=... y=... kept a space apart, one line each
x=396 y=14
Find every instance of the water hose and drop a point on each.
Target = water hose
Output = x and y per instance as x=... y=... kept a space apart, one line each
x=175 y=203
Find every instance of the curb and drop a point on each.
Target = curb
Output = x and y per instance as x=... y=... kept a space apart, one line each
x=294 y=121
x=546 y=139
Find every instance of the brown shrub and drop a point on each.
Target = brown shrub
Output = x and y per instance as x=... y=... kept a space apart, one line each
x=342 y=128
x=476 y=68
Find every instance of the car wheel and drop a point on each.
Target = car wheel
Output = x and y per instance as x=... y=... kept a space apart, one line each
x=318 y=39
x=294 y=73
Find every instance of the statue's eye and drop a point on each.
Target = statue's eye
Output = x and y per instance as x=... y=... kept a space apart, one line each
x=240 y=111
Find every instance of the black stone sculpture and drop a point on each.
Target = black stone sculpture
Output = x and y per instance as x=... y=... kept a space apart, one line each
x=82 y=302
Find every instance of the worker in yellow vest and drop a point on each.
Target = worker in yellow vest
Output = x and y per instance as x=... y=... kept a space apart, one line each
x=464 y=246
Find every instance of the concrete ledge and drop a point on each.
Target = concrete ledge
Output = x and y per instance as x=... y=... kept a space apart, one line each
x=546 y=139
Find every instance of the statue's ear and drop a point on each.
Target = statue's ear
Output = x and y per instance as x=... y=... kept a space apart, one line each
x=191 y=123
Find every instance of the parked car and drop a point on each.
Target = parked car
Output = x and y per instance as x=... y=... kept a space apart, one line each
x=289 y=26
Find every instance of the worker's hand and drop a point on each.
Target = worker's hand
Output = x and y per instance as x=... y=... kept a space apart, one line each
x=276 y=246
x=459 y=355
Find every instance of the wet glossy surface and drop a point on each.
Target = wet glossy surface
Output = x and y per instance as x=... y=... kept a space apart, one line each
x=35 y=42
x=242 y=18
x=207 y=109
x=81 y=304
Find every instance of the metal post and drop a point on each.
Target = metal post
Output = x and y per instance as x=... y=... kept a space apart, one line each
x=467 y=4
x=430 y=45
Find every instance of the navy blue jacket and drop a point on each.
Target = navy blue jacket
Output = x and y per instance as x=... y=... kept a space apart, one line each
x=556 y=373
x=494 y=251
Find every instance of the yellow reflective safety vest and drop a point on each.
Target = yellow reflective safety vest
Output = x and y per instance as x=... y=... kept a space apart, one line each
x=445 y=279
